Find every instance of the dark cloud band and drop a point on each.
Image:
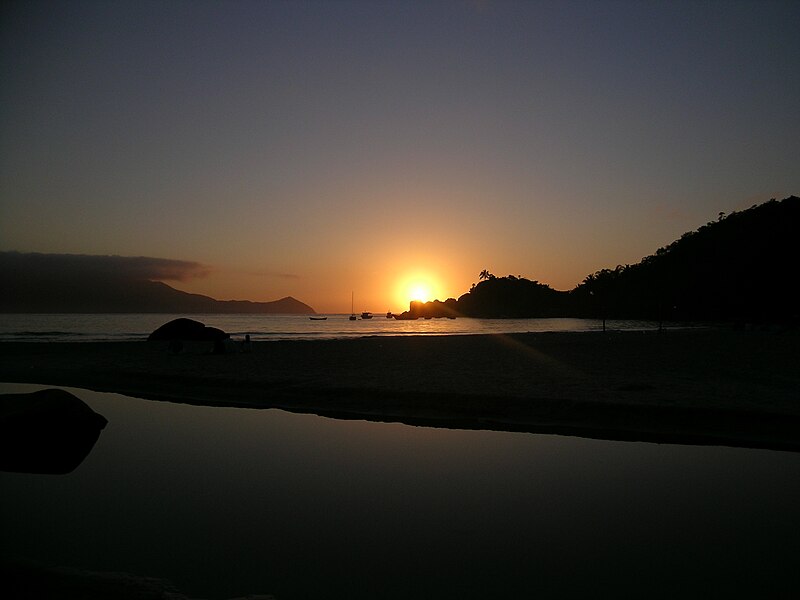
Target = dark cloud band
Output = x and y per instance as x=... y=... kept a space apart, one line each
x=130 y=268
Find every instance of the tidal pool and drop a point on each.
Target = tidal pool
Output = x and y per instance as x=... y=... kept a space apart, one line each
x=225 y=502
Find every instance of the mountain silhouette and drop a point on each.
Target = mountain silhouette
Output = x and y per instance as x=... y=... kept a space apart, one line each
x=736 y=268
x=52 y=283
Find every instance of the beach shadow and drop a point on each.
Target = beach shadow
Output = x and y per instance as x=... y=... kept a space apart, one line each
x=49 y=431
x=696 y=426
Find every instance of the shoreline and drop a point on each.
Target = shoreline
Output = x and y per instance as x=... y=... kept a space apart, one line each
x=707 y=386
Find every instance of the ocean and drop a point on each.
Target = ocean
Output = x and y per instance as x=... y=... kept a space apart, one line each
x=129 y=327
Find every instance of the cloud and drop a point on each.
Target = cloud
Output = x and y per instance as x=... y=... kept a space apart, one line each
x=80 y=266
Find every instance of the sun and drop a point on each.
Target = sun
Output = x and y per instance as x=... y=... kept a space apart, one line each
x=421 y=286
x=420 y=291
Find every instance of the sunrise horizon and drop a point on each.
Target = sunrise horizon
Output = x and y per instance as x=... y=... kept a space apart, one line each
x=392 y=291
x=388 y=150
x=32 y=277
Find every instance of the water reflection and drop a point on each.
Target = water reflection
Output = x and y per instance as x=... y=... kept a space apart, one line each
x=229 y=502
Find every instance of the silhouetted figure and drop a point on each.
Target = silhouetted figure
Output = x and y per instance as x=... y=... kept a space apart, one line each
x=247 y=346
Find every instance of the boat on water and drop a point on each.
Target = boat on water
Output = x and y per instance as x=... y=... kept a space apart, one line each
x=366 y=315
x=318 y=318
x=389 y=315
x=352 y=312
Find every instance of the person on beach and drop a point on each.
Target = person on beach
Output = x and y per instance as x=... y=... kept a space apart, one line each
x=246 y=347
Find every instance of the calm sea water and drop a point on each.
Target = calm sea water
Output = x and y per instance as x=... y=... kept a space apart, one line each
x=226 y=502
x=110 y=327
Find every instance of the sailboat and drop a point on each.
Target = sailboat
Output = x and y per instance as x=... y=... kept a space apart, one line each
x=352 y=312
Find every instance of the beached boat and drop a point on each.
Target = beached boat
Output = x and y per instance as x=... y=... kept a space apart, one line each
x=318 y=318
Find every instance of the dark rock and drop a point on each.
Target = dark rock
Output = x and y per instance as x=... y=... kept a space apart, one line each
x=49 y=431
x=187 y=330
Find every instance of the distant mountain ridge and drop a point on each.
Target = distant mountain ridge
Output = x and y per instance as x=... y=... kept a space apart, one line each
x=41 y=283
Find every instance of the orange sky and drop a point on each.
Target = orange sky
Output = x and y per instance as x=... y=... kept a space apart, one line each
x=320 y=149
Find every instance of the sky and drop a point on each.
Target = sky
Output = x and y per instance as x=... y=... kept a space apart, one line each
x=319 y=149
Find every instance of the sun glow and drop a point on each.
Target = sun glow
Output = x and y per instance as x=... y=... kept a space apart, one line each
x=417 y=286
x=421 y=292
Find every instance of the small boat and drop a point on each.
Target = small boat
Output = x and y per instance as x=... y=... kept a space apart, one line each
x=366 y=315
x=389 y=315
x=318 y=318
x=352 y=312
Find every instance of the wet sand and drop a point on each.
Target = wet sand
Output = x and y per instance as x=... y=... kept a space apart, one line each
x=708 y=386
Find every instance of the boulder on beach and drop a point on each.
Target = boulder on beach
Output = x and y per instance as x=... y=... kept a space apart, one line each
x=49 y=431
x=187 y=330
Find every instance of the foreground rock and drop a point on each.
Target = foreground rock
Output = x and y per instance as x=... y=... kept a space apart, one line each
x=49 y=431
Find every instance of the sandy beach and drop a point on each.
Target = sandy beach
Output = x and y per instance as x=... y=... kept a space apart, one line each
x=709 y=386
